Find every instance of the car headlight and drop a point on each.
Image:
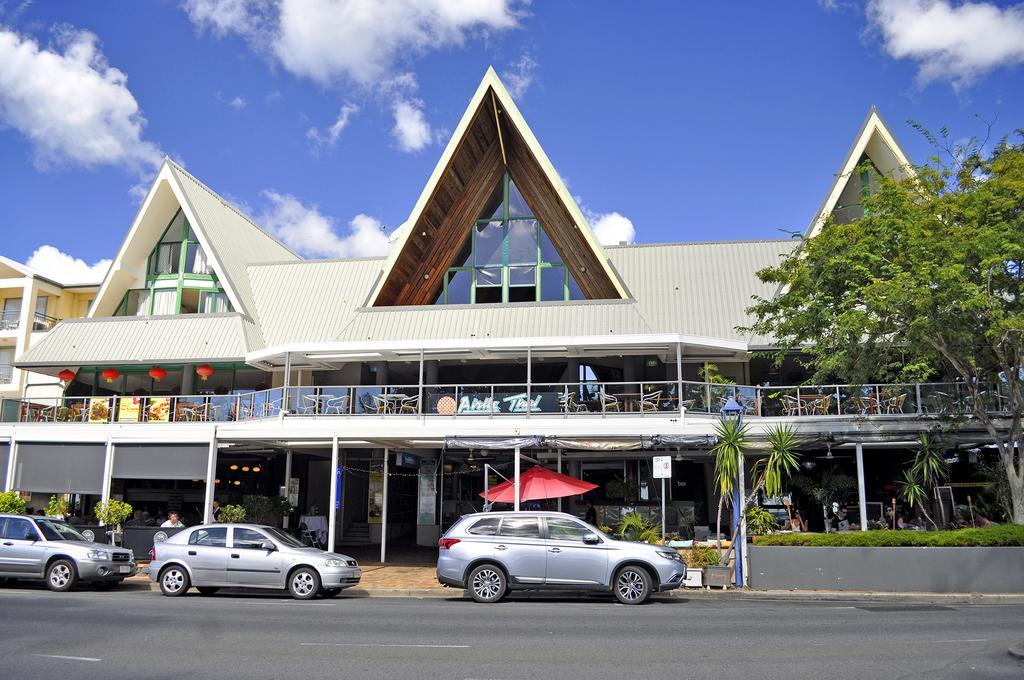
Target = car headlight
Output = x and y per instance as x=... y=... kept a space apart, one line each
x=670 y=556
x=335 y=563
x=98 y=555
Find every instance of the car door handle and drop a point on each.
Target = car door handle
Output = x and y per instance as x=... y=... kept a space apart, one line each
x=234 y=555
x=192 y=552
x=555 y=550
x=502 y=547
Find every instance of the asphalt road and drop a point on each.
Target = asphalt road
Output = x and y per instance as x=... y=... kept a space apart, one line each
x=141 y=634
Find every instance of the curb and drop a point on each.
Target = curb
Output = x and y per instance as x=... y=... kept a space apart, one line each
x=1017 y=651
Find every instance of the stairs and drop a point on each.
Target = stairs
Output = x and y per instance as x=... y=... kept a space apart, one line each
x=358 y=533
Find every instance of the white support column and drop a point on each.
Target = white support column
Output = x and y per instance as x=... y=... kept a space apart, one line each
x=529 y=381
x=287 y=479
x=108 y=470
x=861 y=490
x=741 y=549
x=516 y=481
x=679 y=377
x=12 y=452
x=384 y=510
x=211 y=478
x=332 y=511
x=559 y=472
x=287 y=380
x=422 y=404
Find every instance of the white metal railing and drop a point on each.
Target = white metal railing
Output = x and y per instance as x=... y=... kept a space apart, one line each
x=583 y=398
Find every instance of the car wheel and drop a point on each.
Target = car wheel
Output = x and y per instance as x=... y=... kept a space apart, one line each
x=632 y=585
x=304 y=583
x=330 y=592
x=487 y=583
x=174 y=581
x=61 y=576
x=105 y=585
x=207 y=590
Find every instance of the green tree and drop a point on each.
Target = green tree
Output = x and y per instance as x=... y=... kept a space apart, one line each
x=11 y=502
x=929 y=283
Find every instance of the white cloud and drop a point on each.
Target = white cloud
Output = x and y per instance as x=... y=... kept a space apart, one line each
x=330 y=138
x=411 y=131
x=612 y=228
x=519 y=75
x=72 y=106
x=237 y=103
x=50 y=262
x=960 y=43
x=311 y=233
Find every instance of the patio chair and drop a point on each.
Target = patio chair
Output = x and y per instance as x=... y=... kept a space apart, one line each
x=308 y=537
x=649 y=402
x=310 y=404
x=570 y=403
x=381 y=404
x=894 y=405
x=337 y=405
x=821 y=405
x=609 y=402
x=791 y=406
x=687 y=404
x=410 y=405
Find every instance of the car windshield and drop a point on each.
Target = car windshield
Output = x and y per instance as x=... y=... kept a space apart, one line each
x=281 y=536
x=54 y=530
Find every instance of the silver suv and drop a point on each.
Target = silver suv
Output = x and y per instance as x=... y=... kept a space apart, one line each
x=50 y=548
x=491 y=553
x=215 y=556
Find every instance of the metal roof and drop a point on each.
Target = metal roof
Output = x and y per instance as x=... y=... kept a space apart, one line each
x=151 y=339
x=699 y=289
x=236 y=241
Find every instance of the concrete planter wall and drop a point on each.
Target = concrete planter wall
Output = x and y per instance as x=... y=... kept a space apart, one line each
x=932 y=570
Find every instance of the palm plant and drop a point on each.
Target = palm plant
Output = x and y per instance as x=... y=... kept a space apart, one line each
x=728 y=450
x=927 y=470
x=635 y=527
x=912 y=491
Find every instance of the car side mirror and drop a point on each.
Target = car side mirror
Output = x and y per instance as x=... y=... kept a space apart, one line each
x=268 y=546
x=591 y=539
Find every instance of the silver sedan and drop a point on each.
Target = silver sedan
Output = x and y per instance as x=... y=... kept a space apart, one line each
x=215 y=556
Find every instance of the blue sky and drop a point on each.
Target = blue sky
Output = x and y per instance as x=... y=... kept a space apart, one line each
x=674 y=122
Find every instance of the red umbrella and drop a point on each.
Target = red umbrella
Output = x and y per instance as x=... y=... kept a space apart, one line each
x=537 y=483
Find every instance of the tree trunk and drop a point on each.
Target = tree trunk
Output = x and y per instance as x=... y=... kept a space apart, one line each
x=1016 y=499
x=718 y=526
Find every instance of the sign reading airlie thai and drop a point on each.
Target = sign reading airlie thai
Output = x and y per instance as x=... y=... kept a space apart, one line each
x=496 y=402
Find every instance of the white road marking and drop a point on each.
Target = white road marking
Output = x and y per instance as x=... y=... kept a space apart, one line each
x=69 y=658
x=375 y=644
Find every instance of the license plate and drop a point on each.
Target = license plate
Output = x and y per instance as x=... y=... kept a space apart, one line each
x=124 y=569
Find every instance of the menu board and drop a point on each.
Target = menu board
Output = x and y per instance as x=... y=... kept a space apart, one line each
x=99 y=410
x=128 y=409
x=375 y=497
x=159 y=410
x=428 y=494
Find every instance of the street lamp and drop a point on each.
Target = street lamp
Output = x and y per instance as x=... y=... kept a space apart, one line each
x=732 y=414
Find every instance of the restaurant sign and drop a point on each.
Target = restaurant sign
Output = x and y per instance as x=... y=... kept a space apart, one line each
x=497 y=402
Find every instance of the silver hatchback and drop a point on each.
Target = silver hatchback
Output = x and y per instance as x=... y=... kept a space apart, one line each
x=490 y=554
x=215 y=556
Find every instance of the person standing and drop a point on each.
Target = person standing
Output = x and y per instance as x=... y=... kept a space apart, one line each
x=591 y=516
x=215 y=510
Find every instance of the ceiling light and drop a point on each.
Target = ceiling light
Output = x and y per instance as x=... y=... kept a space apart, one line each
x=256 y=469
x=245 y=468
x=237 y=483
x=234 y=467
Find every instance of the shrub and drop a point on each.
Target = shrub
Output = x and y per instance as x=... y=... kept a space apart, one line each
x=266 y=509
x=12 y=503
x=699 y=556
x=57 y=507
x=112 y=512
x=1001 y=535
x=635 y=527
x=231 y=514
x=760 y=521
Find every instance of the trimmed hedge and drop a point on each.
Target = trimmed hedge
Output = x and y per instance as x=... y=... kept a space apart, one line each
x=1001 y=535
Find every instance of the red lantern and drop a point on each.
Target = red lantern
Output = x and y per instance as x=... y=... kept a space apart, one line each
x=67 y=375
x=157 y=373
x=204 y=371
x=111 y=374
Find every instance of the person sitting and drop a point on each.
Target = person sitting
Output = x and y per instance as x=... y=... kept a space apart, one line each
x=898 y=524
x=796 y=523
x=843 y=522
x=136 y=520
x=173 y=522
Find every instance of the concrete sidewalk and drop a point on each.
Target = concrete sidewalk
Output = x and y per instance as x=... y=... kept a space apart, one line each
x=421 y=582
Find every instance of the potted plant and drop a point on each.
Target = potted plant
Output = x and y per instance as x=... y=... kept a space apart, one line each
x=698 y=559
x=266 y=509
x=232 y=514
x=635 y=527
x=57 y=507
x=12 y=502
x=111 y=513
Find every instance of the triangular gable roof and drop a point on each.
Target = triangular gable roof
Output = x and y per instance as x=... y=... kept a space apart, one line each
x=877 y=141
x=491 y=137
x=230 y=240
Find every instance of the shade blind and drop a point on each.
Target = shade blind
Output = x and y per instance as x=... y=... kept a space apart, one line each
x=56 y=467
x=160 y=461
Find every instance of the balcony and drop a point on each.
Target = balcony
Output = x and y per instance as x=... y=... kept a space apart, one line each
x=6 y=374
x=559 y=400
x=40 y=322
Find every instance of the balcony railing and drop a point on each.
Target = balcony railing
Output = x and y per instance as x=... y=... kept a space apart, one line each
x=40 y=322
x=6 y=374
x=578 y=399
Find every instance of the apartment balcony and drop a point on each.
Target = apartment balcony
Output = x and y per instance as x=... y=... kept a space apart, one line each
x=40 y=322
x=538 y=400
x=6 y=374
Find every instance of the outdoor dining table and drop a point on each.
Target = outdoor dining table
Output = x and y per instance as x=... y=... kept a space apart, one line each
x=317 y=524
x=629 y=400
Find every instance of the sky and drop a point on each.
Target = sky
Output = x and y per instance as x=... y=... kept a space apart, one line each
x=323 y=119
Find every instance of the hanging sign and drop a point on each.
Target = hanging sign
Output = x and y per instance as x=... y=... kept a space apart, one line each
x=427 y=494
x=128 y=409
x=663 y=467
x=337 y=488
